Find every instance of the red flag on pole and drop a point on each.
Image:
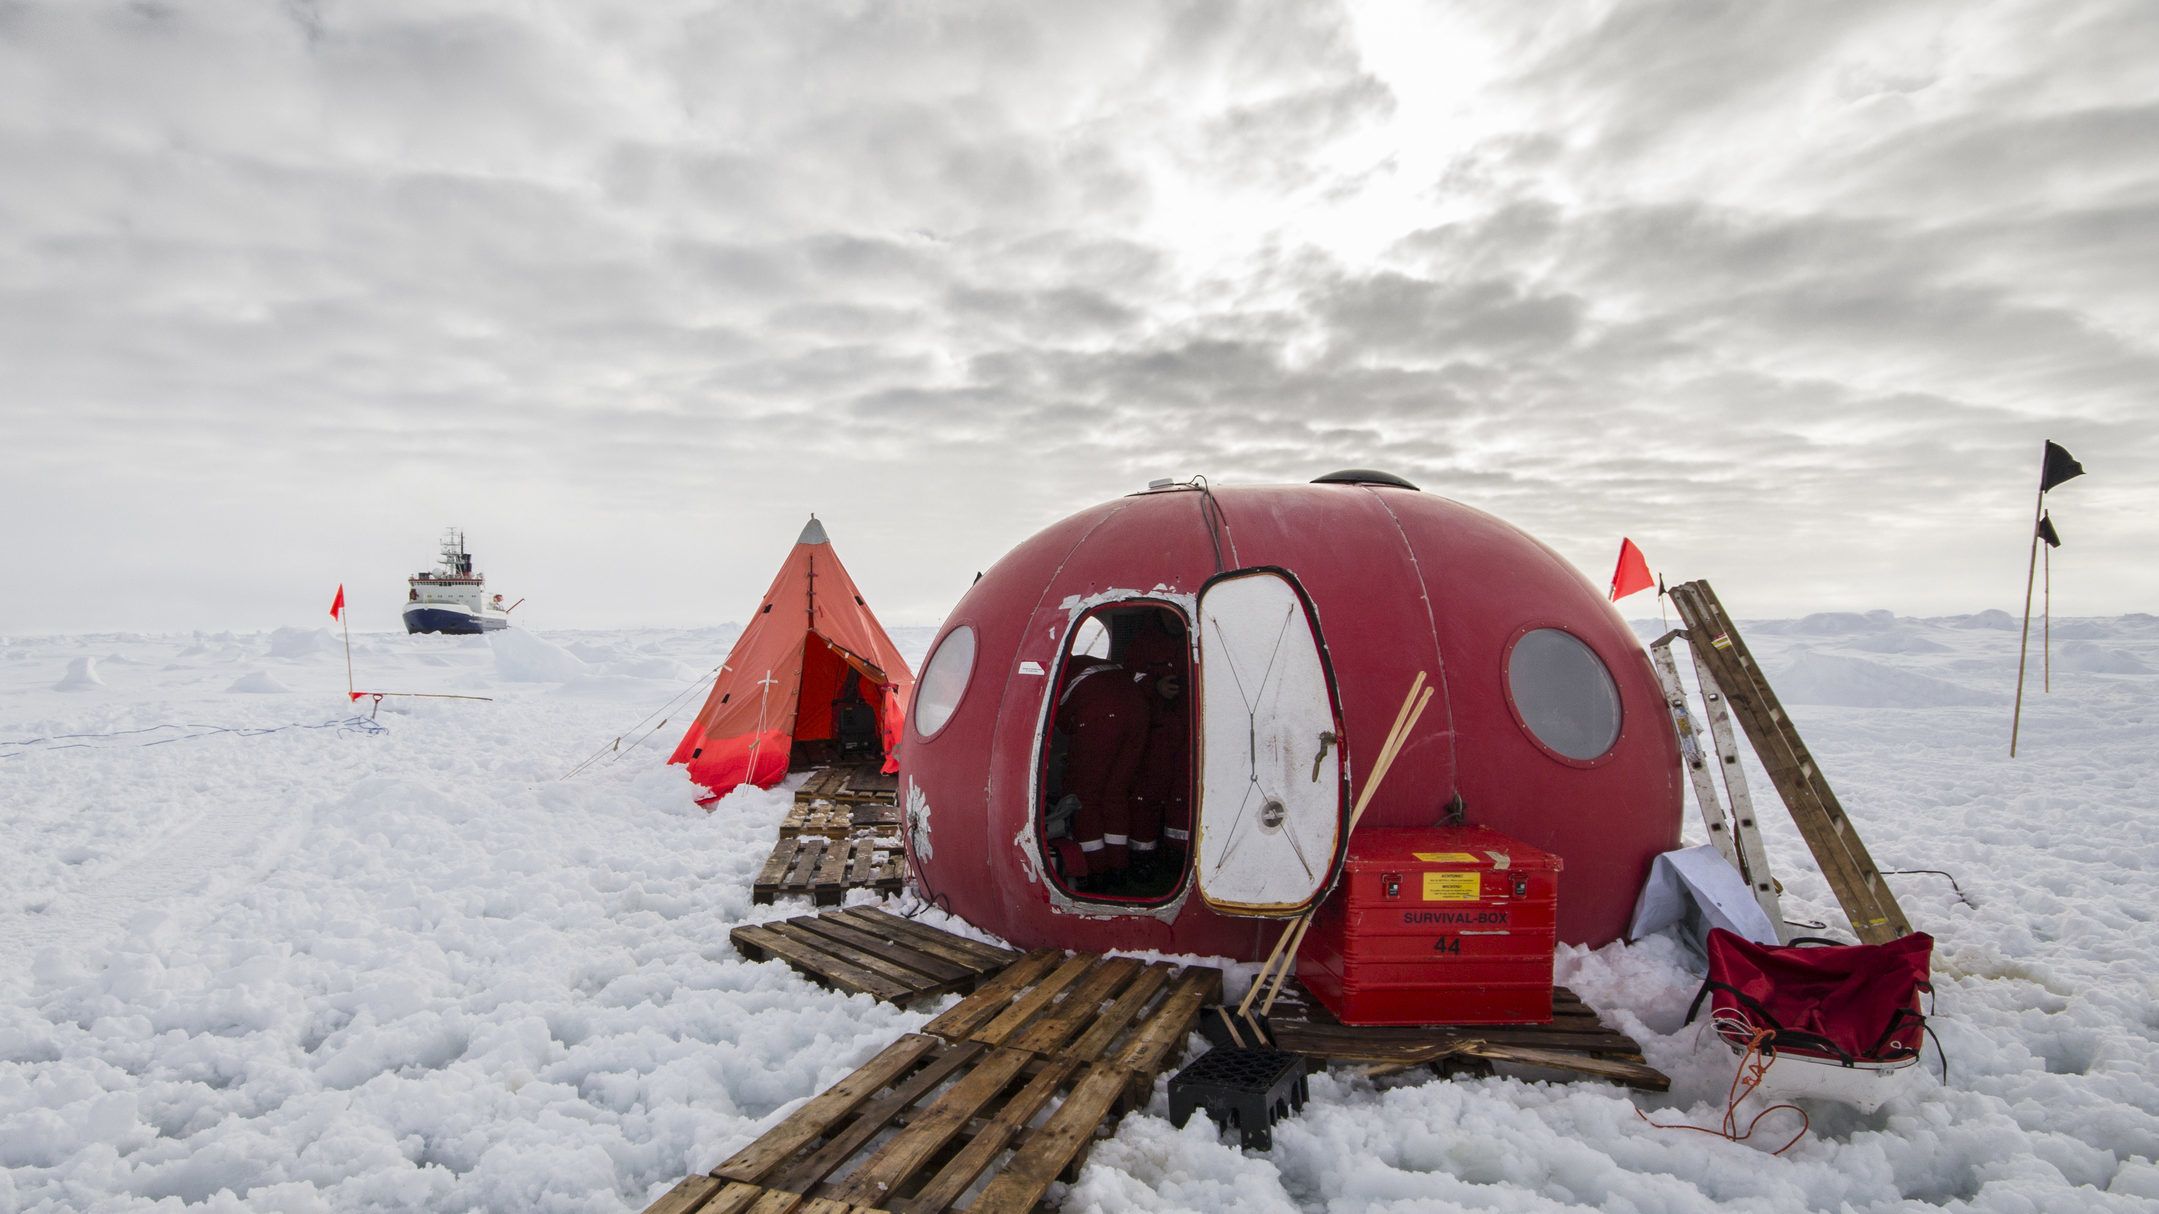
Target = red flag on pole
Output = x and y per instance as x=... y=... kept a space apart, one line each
x=337 y=605
x=1632 y=573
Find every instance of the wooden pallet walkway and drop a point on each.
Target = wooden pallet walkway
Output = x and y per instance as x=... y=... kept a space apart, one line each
x=913 y=1130
x=848 y=784
x=999 y=1097
x=1576 y=1040
x=869 y=951
x=1134 y=1015
x=840 y=819
x=823 y=869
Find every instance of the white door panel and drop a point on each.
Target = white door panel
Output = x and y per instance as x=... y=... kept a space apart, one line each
x=1269 y=818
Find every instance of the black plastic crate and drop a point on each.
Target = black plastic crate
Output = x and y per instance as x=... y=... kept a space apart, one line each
x=1249 y=1090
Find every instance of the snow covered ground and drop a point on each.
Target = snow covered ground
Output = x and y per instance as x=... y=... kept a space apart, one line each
x=257 y=955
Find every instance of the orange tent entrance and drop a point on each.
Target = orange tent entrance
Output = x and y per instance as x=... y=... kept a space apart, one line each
x=811 y=680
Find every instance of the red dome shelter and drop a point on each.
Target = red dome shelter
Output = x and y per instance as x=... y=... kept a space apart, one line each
x=1298 y=615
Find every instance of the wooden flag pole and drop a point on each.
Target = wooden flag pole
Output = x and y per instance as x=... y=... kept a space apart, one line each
x=2031 y=567
x=2046 y=620
x=344 y=618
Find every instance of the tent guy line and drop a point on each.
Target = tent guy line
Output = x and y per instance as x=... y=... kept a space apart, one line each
x=616 y=744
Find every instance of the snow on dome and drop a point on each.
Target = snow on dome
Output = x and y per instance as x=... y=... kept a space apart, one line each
x=81 y=676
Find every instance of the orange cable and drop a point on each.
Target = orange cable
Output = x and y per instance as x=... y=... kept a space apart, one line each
x=1754 y=1064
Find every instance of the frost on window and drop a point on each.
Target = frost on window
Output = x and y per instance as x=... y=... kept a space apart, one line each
x=1565 y=696
x=944 y=681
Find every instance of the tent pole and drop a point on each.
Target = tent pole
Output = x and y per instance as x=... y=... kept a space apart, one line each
x=2031 y=567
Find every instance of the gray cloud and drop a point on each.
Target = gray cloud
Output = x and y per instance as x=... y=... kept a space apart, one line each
x=1790 y=292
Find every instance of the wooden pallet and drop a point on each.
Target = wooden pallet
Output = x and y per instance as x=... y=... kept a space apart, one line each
x=868 y=951
x=999 y=1097
x=873 y=782
x=823 y=869
x=913 y=1130
x=1576 y=1040
x=1131 y=1014
x=839 y=819
x=848 y=783
x=1715 y=641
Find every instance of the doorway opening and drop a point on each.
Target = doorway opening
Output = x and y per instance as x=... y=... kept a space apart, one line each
x=840 y=709
x=1117 y=774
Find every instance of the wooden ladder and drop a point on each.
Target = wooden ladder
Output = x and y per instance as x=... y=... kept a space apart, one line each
x=1722 y=656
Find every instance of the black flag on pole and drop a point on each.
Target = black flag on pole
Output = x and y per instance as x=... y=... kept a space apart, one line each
x=2060 y=466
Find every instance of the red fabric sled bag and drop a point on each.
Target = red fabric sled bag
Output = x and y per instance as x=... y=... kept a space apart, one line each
x=1851 y=1002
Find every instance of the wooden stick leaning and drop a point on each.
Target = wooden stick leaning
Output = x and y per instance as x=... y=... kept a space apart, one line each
x=1412 y=707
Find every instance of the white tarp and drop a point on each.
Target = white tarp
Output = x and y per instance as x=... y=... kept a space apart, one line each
x=1697 y=889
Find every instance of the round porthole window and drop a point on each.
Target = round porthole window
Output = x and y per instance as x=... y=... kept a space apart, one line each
x=1562 y=694
x=944 y=681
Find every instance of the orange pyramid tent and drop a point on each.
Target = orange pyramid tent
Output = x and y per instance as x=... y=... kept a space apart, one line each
x=813 y=678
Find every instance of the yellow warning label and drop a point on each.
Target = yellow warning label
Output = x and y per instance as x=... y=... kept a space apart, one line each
x=1453 y=887
x=1445 y=857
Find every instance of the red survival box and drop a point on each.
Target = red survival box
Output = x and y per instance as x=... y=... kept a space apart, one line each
x=1436 y=925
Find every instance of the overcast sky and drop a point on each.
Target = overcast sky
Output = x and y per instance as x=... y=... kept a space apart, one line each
x=1791 y=293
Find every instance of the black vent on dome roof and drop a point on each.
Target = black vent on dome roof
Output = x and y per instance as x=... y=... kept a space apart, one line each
x=1364 y=476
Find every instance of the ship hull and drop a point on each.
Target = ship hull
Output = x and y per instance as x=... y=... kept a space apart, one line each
x=451 y=619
